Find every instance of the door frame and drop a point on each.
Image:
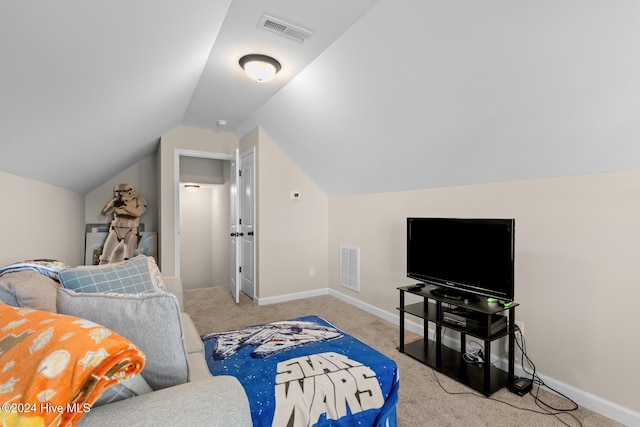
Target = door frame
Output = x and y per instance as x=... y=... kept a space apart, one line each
x=177 y=152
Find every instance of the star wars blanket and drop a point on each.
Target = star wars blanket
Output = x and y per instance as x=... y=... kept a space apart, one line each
x=307 y=372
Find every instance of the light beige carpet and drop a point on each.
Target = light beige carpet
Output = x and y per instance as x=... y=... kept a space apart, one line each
x=422 y=401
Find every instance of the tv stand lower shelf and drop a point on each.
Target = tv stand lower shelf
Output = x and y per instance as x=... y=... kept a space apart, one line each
x=482 y=377
x=469 y=374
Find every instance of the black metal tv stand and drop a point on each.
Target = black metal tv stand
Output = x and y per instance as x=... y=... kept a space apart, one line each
x=485 y=321
x=454 y=295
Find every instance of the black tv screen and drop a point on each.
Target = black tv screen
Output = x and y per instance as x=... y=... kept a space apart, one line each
x=469 y=255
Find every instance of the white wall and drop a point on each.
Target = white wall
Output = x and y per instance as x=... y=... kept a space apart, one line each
x=577 y=269
x=204 y=222
x=220 y=208
x=196 y=249
x=292 y=235
x=39 y=220
x=204 y=238
x=186 y=138
x=201 y=170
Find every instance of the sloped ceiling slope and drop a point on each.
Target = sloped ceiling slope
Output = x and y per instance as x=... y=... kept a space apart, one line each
x=87 y=87
x=224 y=92
x=440 y=93
x=386 y=94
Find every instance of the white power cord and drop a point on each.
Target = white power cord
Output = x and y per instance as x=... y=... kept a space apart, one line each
x=475 y=354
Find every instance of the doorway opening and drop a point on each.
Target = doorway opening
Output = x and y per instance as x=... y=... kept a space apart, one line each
x=211 y=248
x=204 y=222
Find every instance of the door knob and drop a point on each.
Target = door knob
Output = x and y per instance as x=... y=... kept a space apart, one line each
x=250 y=233
x=240 y=234
x=233 y=234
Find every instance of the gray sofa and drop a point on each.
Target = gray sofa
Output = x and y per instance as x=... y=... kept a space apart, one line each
x=191 y=397
x=204 y=400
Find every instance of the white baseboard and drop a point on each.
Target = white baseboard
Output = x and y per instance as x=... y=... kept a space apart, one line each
x=292 y=297
x=393 y=318
x=604 y=407
x=590 y=401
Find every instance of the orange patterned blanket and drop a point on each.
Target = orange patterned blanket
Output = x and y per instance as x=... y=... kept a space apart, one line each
x=54 y=367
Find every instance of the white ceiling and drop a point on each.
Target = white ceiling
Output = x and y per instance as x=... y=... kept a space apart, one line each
x=225 y=92
x=385 y=95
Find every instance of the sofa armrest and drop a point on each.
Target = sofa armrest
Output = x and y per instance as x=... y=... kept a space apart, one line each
x=216 y=401
x=174 y=285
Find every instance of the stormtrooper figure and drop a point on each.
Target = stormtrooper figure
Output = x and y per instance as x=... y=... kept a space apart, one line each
x=127 y=208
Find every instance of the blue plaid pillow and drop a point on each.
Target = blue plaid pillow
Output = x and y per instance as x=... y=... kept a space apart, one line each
x=129 y=277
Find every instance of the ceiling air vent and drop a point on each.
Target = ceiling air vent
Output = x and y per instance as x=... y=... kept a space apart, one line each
x=283 y=28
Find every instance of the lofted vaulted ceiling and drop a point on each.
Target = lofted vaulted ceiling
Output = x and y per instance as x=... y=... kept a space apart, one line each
x=384 y=95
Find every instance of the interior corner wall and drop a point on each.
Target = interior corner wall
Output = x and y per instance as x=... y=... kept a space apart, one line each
x=292 y=235
x=40 y=220
x=186 y=138
x=143 y=177
x=204 y=241
x=576 y=275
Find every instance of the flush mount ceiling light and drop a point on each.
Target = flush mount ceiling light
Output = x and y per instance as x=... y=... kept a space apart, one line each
x=261 y=68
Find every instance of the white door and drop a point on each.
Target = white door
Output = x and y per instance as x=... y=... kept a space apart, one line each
x=247 y=218
x=235 y=227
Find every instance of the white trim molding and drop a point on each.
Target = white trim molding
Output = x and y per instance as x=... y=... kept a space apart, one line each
x=291 y=297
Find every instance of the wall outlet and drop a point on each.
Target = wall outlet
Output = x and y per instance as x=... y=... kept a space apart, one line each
x=312 y=272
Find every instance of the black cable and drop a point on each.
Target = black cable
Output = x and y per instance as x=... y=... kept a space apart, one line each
x=537 y=381
x=540 y=383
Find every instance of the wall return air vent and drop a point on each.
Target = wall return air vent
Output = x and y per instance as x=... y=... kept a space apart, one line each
x=350 y=267
x=284 y=29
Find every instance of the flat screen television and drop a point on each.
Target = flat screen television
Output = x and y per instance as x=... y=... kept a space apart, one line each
x=466 y=258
